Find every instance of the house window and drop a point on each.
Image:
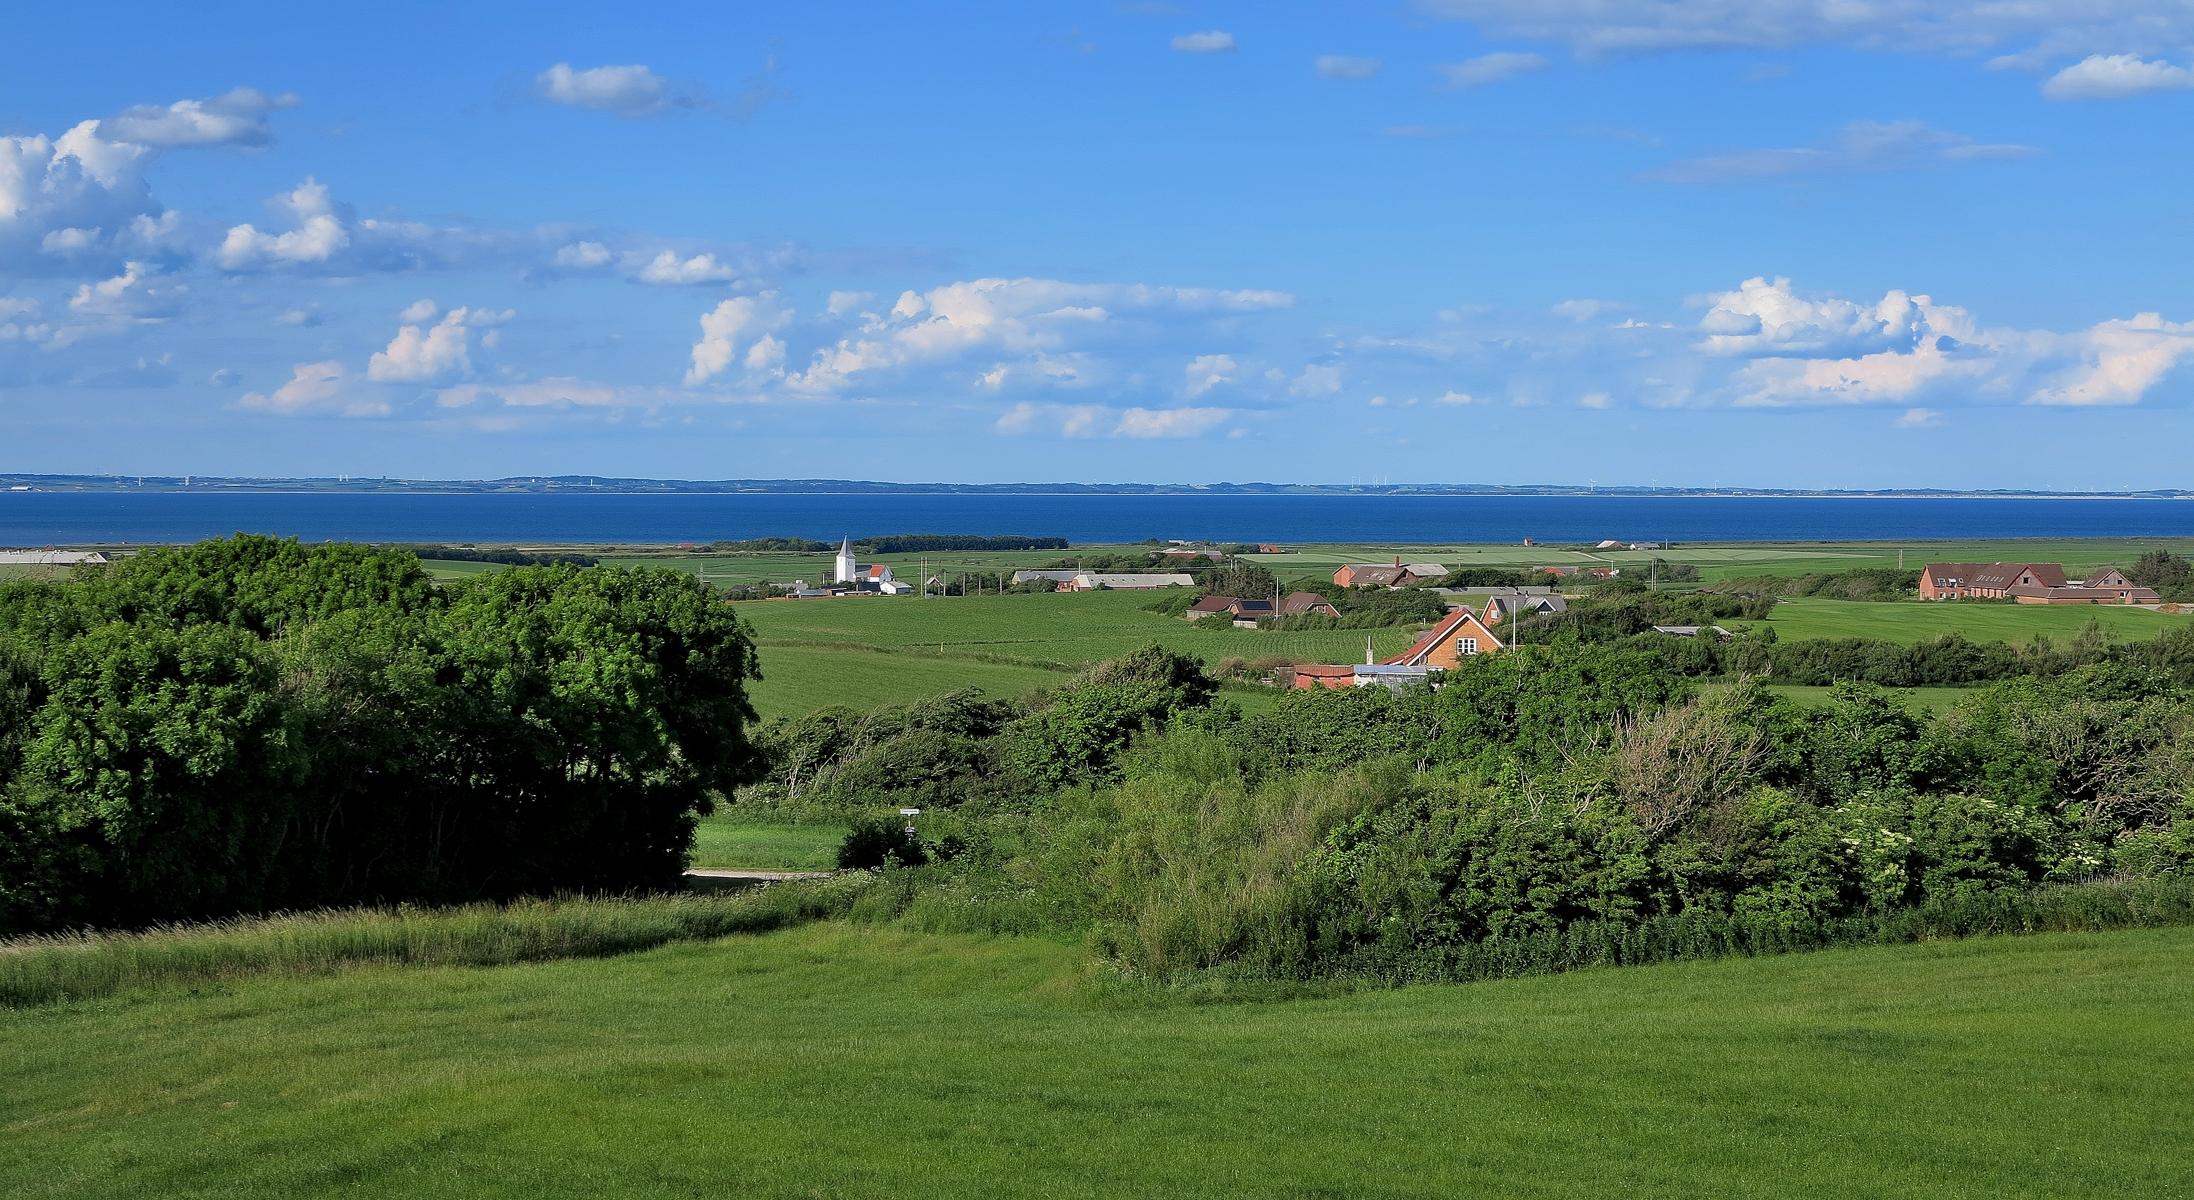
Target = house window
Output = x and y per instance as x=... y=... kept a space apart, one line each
x=1467 y=645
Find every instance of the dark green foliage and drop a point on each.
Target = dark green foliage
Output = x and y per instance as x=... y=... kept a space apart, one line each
x=164 y=765
x=770 y=545
x=1246 y=581
x=260 y=584
x=1864 y=583
x=253 y=724
x=875 y=842
x=506 y=557
x=1078 y=736
x=2168 y=573
x=1538 y=706
x=1492 y=577
x=1368 y=608
x=1569 y=805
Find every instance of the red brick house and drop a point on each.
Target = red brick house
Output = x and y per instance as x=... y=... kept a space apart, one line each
x=1297 y=603
x=2030 y=583
x=1985 y=581
x=1459 y=635
x=2107 y=585
x=1373 y=575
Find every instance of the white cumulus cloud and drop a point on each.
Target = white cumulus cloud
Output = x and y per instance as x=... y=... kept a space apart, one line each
x=2114 y=77
x=583 y=256
x=316 y=388
x=1207 y=371
x=237 y=117
x=422 y=353
x=139 y=293
x=666 y=269
x=743 y=321
x=629 y=90
x=1028 y=319
x=320 y=233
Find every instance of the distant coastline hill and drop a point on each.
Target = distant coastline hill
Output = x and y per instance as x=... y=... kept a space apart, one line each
x=603 y=484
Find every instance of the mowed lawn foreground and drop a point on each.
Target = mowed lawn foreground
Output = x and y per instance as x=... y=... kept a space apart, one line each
x=845 y=1061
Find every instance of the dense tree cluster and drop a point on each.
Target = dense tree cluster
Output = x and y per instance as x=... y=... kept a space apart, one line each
x=503 y=556
x=2171 y=575
x=931 y=543
x=252 y=724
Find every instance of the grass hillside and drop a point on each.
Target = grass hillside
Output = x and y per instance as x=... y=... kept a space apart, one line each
x=839 y=1061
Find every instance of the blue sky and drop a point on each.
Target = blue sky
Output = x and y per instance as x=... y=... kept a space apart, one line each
x=1753 y=242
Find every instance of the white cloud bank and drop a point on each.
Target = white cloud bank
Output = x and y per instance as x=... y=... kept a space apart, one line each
x=316 y=388
x=1099 y=420
x=628 y=90
x=2115 y=77
x=1023 y=325
x=1593 y=28
x=1828 y=351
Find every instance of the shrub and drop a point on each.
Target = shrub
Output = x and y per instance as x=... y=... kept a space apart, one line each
x=875 y=842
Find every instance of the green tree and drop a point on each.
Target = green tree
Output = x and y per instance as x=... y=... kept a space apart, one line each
x=167 y=763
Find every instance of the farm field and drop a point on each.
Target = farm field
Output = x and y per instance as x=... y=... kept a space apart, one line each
x=1060 y=629
x=1913 y=621
x=872 y=651
x=835 y=1060
x=801 y=678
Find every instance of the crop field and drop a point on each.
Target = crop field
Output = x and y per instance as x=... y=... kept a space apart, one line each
x=1058 y=629
x=802 y=678
x=1913 y=621
x=836 y=1060
x=869 y=651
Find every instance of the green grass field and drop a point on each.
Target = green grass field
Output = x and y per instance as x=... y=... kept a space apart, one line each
x=870 y=651
x=1066 y=629
x=835 y=1060
x=721 y=843
x=1913 y=621
x=801 y=678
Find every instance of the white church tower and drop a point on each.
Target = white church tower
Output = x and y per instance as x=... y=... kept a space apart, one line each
x=846 y=570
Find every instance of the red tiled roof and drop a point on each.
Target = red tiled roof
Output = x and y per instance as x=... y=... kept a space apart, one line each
x=1435 y=635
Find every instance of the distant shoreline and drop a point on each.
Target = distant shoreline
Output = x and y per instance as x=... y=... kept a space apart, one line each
x=16 y=484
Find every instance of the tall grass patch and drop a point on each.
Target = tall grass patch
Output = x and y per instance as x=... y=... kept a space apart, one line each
x=59 y=967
